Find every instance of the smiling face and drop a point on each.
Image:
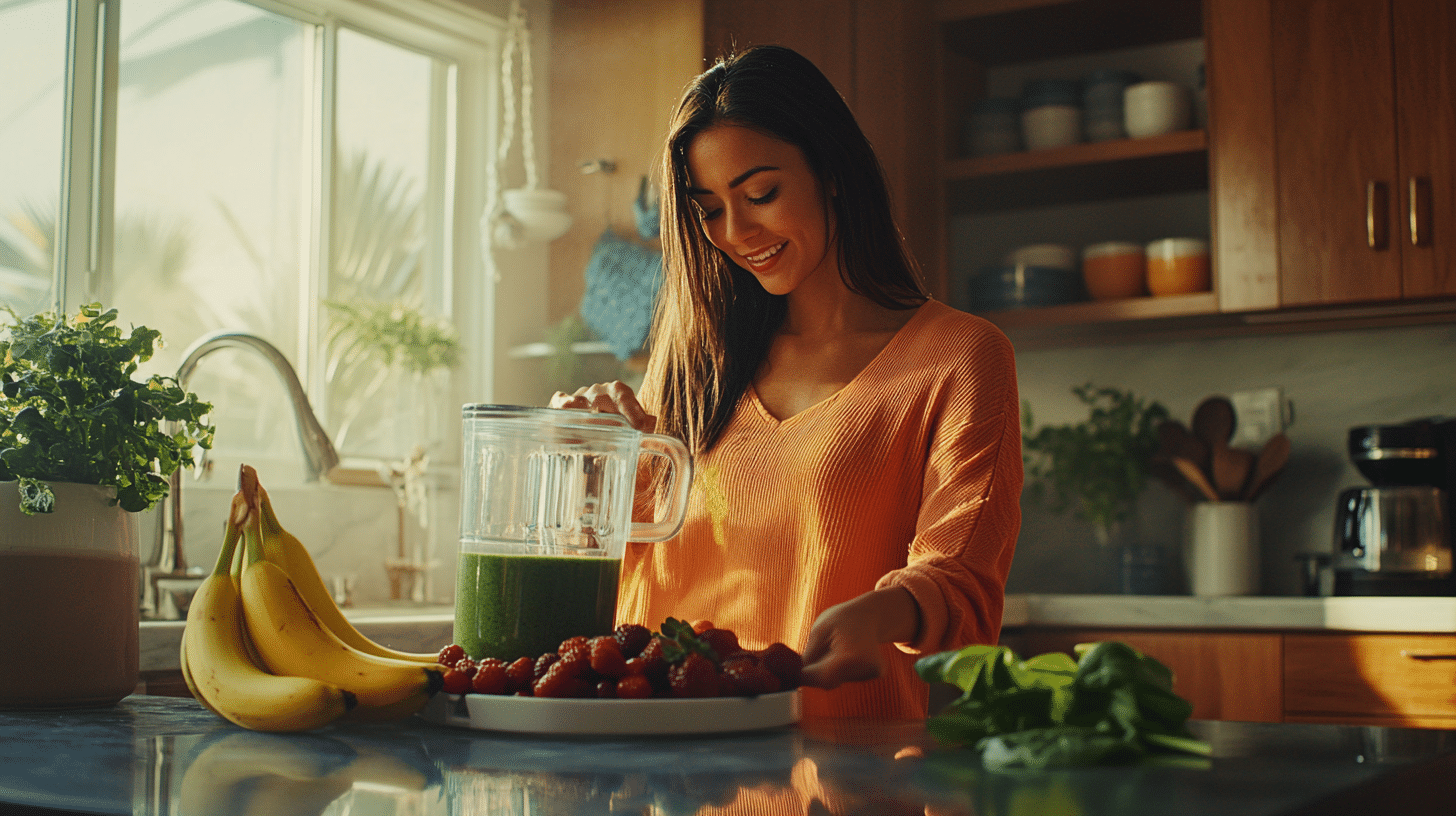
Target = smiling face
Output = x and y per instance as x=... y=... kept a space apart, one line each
x=760 y=203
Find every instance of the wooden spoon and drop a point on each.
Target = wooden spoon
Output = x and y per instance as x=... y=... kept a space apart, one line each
x=1195 y=477
x=1213 y=422
x=1231 y=469
x=1272 y=459
x=1176 y=440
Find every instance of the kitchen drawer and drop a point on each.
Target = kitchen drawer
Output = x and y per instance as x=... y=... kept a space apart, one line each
x=1377 y=676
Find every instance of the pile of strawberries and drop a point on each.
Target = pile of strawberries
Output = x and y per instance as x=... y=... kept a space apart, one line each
x=632 y=663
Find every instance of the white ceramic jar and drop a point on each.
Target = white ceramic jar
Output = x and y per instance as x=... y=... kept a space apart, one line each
x=1157 y=107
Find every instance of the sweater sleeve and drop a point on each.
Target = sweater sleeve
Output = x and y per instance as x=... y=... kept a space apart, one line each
x=970 y=511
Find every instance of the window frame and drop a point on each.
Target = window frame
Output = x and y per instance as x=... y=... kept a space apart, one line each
x=467 y=38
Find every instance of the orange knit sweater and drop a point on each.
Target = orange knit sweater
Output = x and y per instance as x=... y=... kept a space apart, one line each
x=910 y=475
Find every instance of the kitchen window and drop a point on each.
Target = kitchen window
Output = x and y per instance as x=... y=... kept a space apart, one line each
x=303 y=171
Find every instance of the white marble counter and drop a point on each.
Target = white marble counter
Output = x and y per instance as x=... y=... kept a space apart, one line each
x=428 y=629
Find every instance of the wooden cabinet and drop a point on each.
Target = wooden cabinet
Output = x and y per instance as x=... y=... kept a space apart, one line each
x=1363 y=128
x=1327 y=160
x=1406 y=680
x=1401 y=680
x=1225 y=675
x=878 y=54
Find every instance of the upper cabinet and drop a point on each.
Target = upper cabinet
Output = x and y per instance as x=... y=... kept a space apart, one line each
x=1364 y=123
x=1322 y=174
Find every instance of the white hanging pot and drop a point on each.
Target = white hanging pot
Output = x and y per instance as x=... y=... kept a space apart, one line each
x=534 y=215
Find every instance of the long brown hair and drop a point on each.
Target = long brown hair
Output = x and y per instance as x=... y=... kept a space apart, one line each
x=714 y=321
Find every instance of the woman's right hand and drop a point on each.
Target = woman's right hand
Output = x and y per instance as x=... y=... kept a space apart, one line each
x=615 y=397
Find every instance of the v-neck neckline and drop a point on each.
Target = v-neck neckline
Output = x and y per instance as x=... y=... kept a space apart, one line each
x=775 y=422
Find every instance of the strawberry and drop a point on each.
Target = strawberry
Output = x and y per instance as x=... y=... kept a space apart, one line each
x=701 y=626
x=544 y=662
x=574 y=642
x=454 y=681
x=695 y=676
x=467 y=666
x=634 y=687
x=559 y=681
x=605 y=656
x=606 y=689
x=520 y=674
x=723 y=642
x=451 y=654
x=490 y=677
x=632 y=638
x=749 y=677
x=785 y=663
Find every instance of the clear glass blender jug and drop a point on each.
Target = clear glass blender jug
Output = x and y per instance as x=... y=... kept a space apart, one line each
x=545 y=517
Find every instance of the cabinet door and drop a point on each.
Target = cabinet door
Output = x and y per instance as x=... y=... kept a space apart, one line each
x=1225 y=675
x=1336 y=151
x=1385 y=679
x=1425 y=90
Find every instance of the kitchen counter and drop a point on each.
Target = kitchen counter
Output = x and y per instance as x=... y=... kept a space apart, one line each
x=1430 y=615
x=155 y=755
x=427 y=629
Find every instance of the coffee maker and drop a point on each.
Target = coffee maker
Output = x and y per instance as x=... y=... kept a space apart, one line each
x=1395 y=537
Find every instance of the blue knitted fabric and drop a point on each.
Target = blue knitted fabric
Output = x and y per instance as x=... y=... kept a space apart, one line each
x=622 y=278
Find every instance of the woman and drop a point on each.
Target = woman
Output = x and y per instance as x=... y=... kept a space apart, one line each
x=857 y=447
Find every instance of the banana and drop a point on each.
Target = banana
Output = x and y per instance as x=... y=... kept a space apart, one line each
x=406 y=707
x=293 y=641
x=225 y=677
x=284 y=549
x=277 y=796
x=219 y=780
x=191 y=683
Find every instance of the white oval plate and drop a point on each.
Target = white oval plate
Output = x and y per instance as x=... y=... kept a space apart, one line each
x=541 y=715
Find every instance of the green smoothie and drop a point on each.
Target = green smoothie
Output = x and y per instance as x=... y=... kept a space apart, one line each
x=510 y=606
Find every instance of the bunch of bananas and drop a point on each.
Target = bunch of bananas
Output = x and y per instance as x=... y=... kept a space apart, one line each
x=266 y=647
x=244 y=773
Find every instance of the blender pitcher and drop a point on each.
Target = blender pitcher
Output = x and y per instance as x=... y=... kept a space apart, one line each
x=546 y=500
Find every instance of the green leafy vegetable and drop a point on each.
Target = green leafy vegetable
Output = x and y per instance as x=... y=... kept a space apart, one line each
x=1111 y=705
x=71 y=412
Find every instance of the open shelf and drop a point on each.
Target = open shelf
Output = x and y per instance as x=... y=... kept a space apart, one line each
x=1096 y=171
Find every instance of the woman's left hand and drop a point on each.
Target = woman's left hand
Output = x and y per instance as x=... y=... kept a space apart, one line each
x=844 y=642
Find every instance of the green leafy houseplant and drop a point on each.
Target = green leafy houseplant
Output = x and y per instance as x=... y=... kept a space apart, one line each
x=1100 y=465
x=70 y=410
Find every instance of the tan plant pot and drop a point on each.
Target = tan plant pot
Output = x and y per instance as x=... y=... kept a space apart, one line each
x=68 y=600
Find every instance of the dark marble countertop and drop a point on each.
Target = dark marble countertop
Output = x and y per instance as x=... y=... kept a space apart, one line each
x=160 y=755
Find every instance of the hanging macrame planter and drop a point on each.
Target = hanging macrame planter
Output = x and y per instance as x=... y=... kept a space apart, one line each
x=528 y=214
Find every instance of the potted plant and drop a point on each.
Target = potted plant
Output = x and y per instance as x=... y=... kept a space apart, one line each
x=83 y=448
x=1099 y=466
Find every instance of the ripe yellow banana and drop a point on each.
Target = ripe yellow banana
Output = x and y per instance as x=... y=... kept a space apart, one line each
x=293 y=641
x=220 y=778
x=284 y=549
x=226 y=679
x=277 y=796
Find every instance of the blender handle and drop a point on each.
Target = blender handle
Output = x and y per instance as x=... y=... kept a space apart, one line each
x=679 y=477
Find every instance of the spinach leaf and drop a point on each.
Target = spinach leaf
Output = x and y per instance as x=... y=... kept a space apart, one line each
x=1111 y=705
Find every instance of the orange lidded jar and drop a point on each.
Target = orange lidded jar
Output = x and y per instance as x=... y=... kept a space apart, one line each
x=1114 y=270
x=1178 y=266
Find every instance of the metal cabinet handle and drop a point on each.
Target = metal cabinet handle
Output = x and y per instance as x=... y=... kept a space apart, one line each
x=1420 y=211
x=1414 y=655
x=1377 y=201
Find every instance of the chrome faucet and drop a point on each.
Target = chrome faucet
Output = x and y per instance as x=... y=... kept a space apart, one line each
x=167 y=567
